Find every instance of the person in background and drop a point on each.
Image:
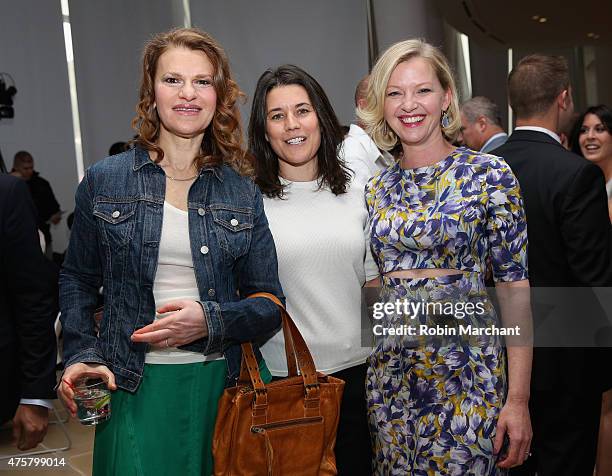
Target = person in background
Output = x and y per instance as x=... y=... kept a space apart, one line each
x=117 y=148
x=435 y=218
x=481 y=126
x=47 y=208
x=570 y=245
x=317 y=217
x=358 y=149
x=594 y=142
x=28 y=307
x=175 y=229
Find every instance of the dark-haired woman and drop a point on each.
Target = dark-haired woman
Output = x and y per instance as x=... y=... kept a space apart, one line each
x=176 y=232
x=594 y=142
x=317 y=217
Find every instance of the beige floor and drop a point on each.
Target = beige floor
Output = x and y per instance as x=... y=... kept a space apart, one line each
x=77 y=458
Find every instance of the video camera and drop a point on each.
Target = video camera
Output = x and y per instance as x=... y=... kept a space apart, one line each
x=7 y=91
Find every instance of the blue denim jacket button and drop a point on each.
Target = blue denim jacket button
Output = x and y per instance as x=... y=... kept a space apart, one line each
x=116 y=214
x=201 y=212
x=234 y=222
x=211 y=292
x=204 y=250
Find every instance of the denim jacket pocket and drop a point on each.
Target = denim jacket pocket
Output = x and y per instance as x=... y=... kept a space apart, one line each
x=233 y=227
x=117 y=221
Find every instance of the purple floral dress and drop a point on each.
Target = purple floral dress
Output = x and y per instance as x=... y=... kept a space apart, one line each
x=433 y=404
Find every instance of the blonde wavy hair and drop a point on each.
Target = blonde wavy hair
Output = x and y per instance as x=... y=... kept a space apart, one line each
x=223 y=141
x=372 y=115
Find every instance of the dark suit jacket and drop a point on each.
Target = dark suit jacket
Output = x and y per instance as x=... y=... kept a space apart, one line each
x=570 y=242
x=28 y=302
x=44 y=201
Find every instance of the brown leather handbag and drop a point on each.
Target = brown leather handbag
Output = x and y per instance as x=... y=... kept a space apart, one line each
x=285 y=428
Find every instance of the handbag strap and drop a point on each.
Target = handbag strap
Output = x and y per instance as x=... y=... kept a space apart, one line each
x=250 y=368
x=296 y=349
x=295 y=346
x=289 y=350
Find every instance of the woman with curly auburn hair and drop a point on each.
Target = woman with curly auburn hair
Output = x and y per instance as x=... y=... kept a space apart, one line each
x=444 y=404
x=175 y=231
x=317 y=217
x=222 y=142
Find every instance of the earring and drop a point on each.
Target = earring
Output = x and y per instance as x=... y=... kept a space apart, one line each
x=445 y=120
x=385 y=128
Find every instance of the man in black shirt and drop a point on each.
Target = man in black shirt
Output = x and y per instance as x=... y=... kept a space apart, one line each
x=44 y=200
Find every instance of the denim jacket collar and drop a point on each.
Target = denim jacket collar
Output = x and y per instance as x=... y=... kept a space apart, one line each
x=141 y=158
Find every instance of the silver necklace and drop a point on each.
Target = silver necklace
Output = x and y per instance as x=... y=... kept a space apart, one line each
x=181 y=179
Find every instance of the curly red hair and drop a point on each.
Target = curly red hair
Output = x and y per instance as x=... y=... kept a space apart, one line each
x=223 y=140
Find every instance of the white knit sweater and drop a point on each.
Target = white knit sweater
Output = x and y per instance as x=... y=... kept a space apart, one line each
x=323 y=261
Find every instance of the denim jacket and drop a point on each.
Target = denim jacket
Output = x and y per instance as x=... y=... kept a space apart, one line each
x=115 y=244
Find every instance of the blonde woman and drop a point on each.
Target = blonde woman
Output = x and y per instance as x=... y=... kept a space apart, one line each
x=436 y=217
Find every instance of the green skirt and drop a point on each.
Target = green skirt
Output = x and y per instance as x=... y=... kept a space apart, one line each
x=166 y=427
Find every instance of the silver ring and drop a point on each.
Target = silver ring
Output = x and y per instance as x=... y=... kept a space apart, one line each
x=167 y=345
x=528 y=454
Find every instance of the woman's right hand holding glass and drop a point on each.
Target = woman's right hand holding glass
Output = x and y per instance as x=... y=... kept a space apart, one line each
x=77 y=371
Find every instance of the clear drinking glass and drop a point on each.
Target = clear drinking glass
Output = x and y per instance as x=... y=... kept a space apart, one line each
x=93 y=401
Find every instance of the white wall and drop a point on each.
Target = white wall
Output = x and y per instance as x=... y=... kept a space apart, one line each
x=108 y=38
x=33 y=53
x=490 y=75
x=326 y=38
x=397 y=20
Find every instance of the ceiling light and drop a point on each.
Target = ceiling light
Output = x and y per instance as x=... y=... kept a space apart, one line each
x=543 y=20
x=535 y=17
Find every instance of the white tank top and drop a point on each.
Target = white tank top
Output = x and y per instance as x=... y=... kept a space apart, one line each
x=175 y=279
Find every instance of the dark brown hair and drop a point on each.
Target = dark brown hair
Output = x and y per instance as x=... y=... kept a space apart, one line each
x=222 y=142
x=535 y=82
x=332 y=172
x=603 y=112
x=22 y=157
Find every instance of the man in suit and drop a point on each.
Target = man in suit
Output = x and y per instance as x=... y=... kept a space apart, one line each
x=28 y=304
x=569 y=247
x=481 y=125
